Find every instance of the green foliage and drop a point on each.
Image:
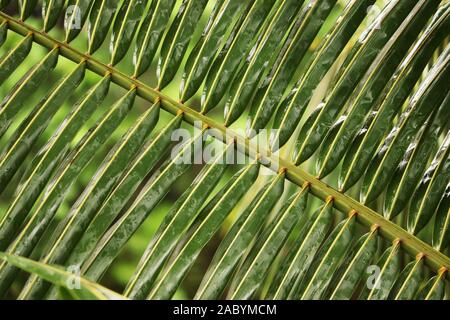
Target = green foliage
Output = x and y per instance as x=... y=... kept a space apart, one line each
x=357 y=90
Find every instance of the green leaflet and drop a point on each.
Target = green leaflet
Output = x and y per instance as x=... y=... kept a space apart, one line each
x=381 y=153
x=434 y=289
x=58 y=276
x=53 y=151
x=351 y=52
x=353 y=147
x=175 y=224
x=69 y=295
x=308 y=123
x=12 y=59
x=428 y=194
x=397 y=176
x=252 y=250
x=441 y=230
x=27 y=8
x=349 y=156
x=109 y=246
x=44 y=164
x=31 y=128
x=260 y=241
x=397 y=91
x=82 y=212
x=369 y=26
x=293 y=107
x=395 y=201
x=51 y=11
x=329 y=138
x=228 y=45
x=256 y=270
x=373 y=40
x=14 y=101
x=123 y=191
x=209 y=222
x=225 y=68
x=303 y=252
x=124 y=27
x=24 y=200
x=327 y=260
x=246 y=83
x=365 y=250
x=375 y=80
x=3 y=32
x=409 y=280
x=201 y=57
x=428 y=97
x=239 y=238
x=271 y=91
x=63 y=179
x=74 y=22
x=100 y=18
x=382 y=283
x=177 y=40
x=150 y=34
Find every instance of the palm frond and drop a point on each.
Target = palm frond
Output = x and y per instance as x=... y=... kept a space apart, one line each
x=378 y=141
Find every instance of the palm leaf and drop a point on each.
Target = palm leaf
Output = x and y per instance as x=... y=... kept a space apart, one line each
x=57 y=276
x=79 y=182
